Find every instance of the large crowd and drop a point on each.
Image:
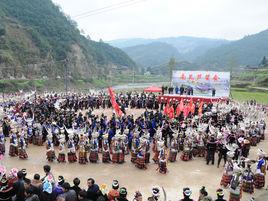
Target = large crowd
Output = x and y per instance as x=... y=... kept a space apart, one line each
x=165 y=128
x=17 y=186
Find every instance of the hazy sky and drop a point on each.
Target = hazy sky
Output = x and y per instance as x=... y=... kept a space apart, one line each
x=229 y=19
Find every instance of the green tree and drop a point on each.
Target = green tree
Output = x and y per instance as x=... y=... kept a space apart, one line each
x=264 y=62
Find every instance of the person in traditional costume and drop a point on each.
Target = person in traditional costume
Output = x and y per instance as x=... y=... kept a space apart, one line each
x=71 y=149
x=245 y=148
x=105 y=149
x=94 y=148
x=122 y=148
x=134 y=148
x=22 y=148
x=220 y=195
x=228 y=171
x=50 y=148
x=173 y=148
x=55 y=129
x=248 y=180
x=12 y=176
x=253 y=135
x=155 y=194
x=2 y=142
x=29 y=130
x=125 y=141
x=147 y=148
x=162 y=165
x=115 y=148
x=61 y=156
x=140 y=161
x=13 y=147
x=200 y=144
x=187 y=149
x=259 y=177
x=82 y=149
x=156 y=147
x=235 y=184
x=35 y=134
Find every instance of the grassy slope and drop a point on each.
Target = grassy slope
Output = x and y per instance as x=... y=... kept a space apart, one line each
x=244 y=95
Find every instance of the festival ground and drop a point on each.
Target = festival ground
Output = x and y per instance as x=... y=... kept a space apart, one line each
x=193 y=174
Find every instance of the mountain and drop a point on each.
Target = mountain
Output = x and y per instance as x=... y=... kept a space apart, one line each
x=124 y=43
x=152 y=54
x=37 y=39
x=247 y=51
x=189 y=48
x=193 y=47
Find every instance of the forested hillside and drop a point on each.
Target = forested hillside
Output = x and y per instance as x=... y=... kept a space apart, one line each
x=37 y=39
x=247 y=51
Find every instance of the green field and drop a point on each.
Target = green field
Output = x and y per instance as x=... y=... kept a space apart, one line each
x=243 y=94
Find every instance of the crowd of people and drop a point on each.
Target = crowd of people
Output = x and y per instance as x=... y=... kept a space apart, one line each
x=164 y=129
x=17 y=186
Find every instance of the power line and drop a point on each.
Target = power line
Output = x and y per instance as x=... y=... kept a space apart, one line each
x=106 y=7
x=110 y=9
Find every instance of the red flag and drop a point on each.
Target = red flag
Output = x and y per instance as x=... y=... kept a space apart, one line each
x=192 y=106
x=171 y=112
x=166 y=109
x=200 y=109
x=186 y=110
x=179 y=108
x=114 y=103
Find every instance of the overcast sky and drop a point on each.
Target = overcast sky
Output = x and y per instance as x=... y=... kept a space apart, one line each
x=229 y=19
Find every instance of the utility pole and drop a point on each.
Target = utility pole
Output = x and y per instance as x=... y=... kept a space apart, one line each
x=171 y=65
x=133 y=78
x=66 y=76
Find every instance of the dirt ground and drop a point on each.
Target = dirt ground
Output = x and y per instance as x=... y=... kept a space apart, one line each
x=193 y=174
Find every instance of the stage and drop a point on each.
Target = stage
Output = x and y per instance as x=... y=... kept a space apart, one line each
x=205 y=99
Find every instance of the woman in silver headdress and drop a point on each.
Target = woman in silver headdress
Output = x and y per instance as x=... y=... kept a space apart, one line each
x=13 y=147
x=105 y=149
x=248 y=180
x=94 y=148
x=22 y=147
x=141 y=151
x=173 y=148
x=61 y=156
x=50 y=148
x=82 y=153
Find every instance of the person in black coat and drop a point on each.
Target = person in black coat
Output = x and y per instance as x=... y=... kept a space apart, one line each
x=6 y=127
x=76 y=187
x=93 y=190
x=222 y=153
x=211 y=149
x=18 y=187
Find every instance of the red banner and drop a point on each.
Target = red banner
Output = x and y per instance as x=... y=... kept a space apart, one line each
x=200 y=109
x=114 y=103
